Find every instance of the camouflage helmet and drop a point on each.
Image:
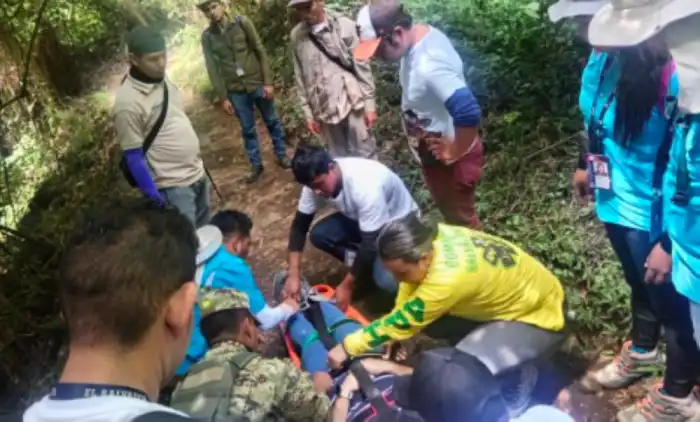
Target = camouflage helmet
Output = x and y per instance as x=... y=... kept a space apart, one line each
x=215 y=300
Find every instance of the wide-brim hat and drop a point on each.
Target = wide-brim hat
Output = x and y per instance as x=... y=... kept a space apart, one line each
x=564 y=9
x=683 y=41
x=624 y=23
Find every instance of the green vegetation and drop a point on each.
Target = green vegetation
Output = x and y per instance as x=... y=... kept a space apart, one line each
x=58 y=156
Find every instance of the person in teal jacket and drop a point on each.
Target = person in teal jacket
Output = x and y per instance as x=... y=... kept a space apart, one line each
x=625 y=107
x=614 y=28
x=223 y=265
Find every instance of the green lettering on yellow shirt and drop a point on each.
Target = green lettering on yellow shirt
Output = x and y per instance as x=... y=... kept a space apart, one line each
x=376 y=339
x=416 y=309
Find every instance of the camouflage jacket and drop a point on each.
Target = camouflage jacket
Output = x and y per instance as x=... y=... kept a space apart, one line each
x=272 y=390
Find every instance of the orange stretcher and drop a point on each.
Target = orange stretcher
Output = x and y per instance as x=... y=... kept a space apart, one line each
x=328 y=292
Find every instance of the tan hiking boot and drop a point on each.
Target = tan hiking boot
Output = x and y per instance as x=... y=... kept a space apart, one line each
x=659 y=407
x=627 y=368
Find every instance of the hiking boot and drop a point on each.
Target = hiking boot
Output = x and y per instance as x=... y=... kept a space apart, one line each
x=517 y=391
x=628 y=367
x=659 y=407
x=284 y=162
x=255 y=174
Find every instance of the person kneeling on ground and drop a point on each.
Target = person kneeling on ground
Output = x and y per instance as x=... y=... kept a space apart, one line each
x=224 y=248
x=367 y=195
x=253 y=386
x=123 y=346
x=456 y=274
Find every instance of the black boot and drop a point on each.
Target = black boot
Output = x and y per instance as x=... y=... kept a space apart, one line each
x=255 y=174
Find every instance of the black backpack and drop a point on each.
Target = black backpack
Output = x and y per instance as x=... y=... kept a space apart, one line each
x=205 y=396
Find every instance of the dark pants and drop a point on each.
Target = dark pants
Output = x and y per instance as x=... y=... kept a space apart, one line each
x=243 y=103
x=192 y=201
x=453 y=187
x=656 y=305
x=337 y=234
x=503 y=346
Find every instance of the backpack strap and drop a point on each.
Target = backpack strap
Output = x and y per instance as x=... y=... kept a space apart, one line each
x=668 y=104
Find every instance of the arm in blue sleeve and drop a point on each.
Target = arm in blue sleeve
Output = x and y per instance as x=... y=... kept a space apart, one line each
x=271 y=317
x=136 y=162
x=464 y=108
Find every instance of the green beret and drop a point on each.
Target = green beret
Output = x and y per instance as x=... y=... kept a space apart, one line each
x=145 y=40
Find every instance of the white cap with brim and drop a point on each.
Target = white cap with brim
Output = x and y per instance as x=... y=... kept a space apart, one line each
x=210 y=239
x=683 y=40
x=625 y=23
x=564 y=9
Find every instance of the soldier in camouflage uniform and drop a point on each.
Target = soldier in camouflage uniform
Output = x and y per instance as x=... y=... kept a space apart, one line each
x=264 y=389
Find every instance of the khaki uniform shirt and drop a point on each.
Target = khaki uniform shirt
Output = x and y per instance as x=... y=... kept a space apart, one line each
x=174 y=157
x=327 y=91
x=235 y=57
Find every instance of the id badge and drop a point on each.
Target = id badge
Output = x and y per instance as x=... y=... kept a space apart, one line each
x=239 y=71
x=599 y=171
x=350 y=257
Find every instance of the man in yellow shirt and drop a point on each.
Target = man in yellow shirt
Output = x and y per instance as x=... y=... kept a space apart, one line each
x=471 y=277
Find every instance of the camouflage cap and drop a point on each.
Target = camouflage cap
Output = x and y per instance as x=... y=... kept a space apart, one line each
x=215 y=300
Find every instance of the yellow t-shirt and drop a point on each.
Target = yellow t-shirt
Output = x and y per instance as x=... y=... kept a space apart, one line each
x=474 y=276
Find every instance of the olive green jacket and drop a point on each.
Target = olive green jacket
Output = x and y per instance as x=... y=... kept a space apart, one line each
x=235 y=57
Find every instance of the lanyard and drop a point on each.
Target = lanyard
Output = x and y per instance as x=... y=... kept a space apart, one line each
x=74 y=391
x=594 y=124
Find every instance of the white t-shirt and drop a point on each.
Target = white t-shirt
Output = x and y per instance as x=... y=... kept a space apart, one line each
x=372 y=194
x=430 y=73
x=93 y=409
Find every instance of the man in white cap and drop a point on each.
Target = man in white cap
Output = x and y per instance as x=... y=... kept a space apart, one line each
x=438 y=108
x=675 y=23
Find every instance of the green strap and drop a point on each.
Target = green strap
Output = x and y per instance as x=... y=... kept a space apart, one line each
x=342 y=322
x=240 y=360
x=314 y=336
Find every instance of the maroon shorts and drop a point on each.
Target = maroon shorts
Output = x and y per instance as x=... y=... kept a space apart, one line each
x=453 y=187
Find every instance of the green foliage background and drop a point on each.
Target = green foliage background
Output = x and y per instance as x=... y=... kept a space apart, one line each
x=58 y=155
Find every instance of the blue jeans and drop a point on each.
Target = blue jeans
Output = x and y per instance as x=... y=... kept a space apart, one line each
x=336 y=234
x=243 y=103
x=314 y=356
x=656 y=305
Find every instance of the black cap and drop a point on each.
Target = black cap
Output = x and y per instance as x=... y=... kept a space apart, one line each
x=451 y=386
